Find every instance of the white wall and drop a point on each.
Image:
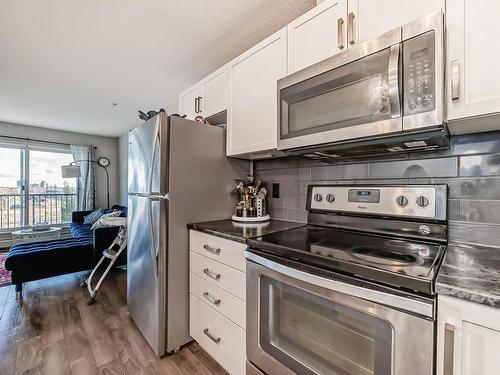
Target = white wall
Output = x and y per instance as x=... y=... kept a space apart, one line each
x=106 y=146
x=123 y=172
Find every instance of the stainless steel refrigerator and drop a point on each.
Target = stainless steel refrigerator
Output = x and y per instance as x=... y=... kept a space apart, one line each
x=177 y=173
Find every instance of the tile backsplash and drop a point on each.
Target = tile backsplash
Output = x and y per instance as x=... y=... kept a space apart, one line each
x=470 y=168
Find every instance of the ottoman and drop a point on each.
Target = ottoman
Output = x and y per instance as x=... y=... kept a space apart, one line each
x=38 y=260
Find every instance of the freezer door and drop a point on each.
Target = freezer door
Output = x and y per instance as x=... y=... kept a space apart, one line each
x=145 y=154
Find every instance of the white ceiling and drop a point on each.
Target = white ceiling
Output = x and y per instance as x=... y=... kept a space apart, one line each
x=63 y=62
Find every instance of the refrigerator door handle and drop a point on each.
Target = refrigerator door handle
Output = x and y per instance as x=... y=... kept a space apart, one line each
x=154 y=247
x=158 y=197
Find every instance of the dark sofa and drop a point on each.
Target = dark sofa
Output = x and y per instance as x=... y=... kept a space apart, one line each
x=101 y=237
x=38 y=260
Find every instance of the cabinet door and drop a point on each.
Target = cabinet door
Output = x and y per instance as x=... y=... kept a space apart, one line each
x=369 y=19
x=473 y=56
x=187 y=102
x=215 y=93
x=315 y=35
x=468 y=338
x=253 y=114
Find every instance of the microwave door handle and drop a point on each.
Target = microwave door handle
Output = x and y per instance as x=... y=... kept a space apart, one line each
x=393 y=81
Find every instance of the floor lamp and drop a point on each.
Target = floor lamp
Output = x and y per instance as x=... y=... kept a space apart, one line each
x=73 y=170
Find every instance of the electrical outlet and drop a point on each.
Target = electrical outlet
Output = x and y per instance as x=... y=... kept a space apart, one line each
x=276 y=190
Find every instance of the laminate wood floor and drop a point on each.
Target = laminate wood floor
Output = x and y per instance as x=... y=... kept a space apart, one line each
x=54 y=332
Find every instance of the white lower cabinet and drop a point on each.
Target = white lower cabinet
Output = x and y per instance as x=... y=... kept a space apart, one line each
x=468 y=338
x=217 y=299
x=220 y=337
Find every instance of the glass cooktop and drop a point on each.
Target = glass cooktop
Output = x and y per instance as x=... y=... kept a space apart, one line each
x=390 y=260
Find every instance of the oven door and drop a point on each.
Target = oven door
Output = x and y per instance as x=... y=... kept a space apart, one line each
x=354 y=94
x=299 y=323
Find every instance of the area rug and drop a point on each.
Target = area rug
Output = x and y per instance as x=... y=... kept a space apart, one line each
x=4 y=274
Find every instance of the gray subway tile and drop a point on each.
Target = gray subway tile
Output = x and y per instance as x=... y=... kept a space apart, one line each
x=330 y=172
x=278 y=213
x=487 y=211
x=480 y=165
x=273 y=175
x=339 y=172
x=304 y=174
x=297 y=214
x=475 y=233
x=278 y=163
x=394 y=181
x=478 y=143
x=441 y=167
x=453 y=209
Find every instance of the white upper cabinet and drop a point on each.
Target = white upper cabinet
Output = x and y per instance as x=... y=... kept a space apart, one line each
x=473 y=76
x=207 y=97
x=252 y=120
x=317 y=34
x=189 y=101
x=369 y=19
x=215 y=96
x=468 y=338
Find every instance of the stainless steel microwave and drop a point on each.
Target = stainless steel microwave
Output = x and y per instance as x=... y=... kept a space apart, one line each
x=390 y=86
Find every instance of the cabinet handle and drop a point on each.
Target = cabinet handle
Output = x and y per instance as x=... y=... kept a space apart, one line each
x=350 y=28
x=212 y=299
x=449 y=349
x=212 y=275
x=340 y=33
x=211 y=337
x=200 y=104
x=196 y=105
x=210 y=249
x=455 y=80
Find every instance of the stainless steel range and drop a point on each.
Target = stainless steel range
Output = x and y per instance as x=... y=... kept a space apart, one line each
x=351 y=292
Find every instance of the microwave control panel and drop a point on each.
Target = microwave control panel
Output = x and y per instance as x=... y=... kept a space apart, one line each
x=419 y=74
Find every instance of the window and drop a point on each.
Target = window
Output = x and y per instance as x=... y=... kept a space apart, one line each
x=32 y=189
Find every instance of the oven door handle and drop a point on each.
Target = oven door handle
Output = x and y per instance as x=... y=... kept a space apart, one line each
x=412 y=305
x=393 y=81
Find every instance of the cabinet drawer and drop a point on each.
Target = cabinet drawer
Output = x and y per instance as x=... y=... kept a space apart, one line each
x=219 y=274
x=230 y=306
x=220 y=249
x=221 y=338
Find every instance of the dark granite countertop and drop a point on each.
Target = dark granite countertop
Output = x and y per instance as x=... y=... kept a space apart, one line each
x=471 y=272
x=241 y=231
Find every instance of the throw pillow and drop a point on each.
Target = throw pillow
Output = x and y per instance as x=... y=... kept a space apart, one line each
x=93 y=217
x=100 y=223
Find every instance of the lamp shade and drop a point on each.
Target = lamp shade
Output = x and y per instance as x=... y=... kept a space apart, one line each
x=70 y=171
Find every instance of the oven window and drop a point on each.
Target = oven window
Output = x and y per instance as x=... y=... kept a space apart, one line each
x=313 y=335
x=352 y=94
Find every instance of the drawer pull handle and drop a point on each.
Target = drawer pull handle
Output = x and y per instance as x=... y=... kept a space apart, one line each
x=215 y=301
x=211 y=337
x=213 y=250
x=212 y=275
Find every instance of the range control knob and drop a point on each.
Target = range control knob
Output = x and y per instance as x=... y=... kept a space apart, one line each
x=422 y=201
x=318 y=197
x=402 y=201
x=330 y=198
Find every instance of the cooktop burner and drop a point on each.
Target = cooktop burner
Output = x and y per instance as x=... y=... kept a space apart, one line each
x=384 y=256
x=390 y=260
